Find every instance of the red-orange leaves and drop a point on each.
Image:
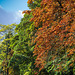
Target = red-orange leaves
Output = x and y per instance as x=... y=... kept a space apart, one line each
x=55 y=28
x=71 y=52
x=29 y=1
x=26 y=11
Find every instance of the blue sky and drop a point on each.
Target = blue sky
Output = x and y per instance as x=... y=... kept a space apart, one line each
x=11 y=11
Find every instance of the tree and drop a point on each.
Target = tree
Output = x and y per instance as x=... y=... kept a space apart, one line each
x=6 y=32
x=44 y=43
x=22 y=46
x=55 y=36
x=5 y=29
x=5 y=53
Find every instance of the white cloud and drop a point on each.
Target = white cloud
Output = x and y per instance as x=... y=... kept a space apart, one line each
x=18 y=15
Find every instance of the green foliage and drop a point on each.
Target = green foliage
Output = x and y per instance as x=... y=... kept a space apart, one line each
x=22 y=46
x=4 y=52
x=5 y=29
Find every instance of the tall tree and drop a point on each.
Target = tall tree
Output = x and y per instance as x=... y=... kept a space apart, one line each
x=6 y=32
x=55 y=41
x=22 y=46
x=5 y=50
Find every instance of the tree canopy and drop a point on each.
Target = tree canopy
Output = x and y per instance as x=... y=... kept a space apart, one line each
x=43 y=43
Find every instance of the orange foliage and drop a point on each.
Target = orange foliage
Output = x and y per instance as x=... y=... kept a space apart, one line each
x=26 y=11
x=29 y=1
x=57 y=28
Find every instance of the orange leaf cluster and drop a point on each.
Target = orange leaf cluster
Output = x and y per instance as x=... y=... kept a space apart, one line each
x=26 y=11
x=56 y=22
x=29 y=1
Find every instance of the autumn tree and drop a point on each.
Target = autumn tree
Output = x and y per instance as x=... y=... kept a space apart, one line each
x=55 y=37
